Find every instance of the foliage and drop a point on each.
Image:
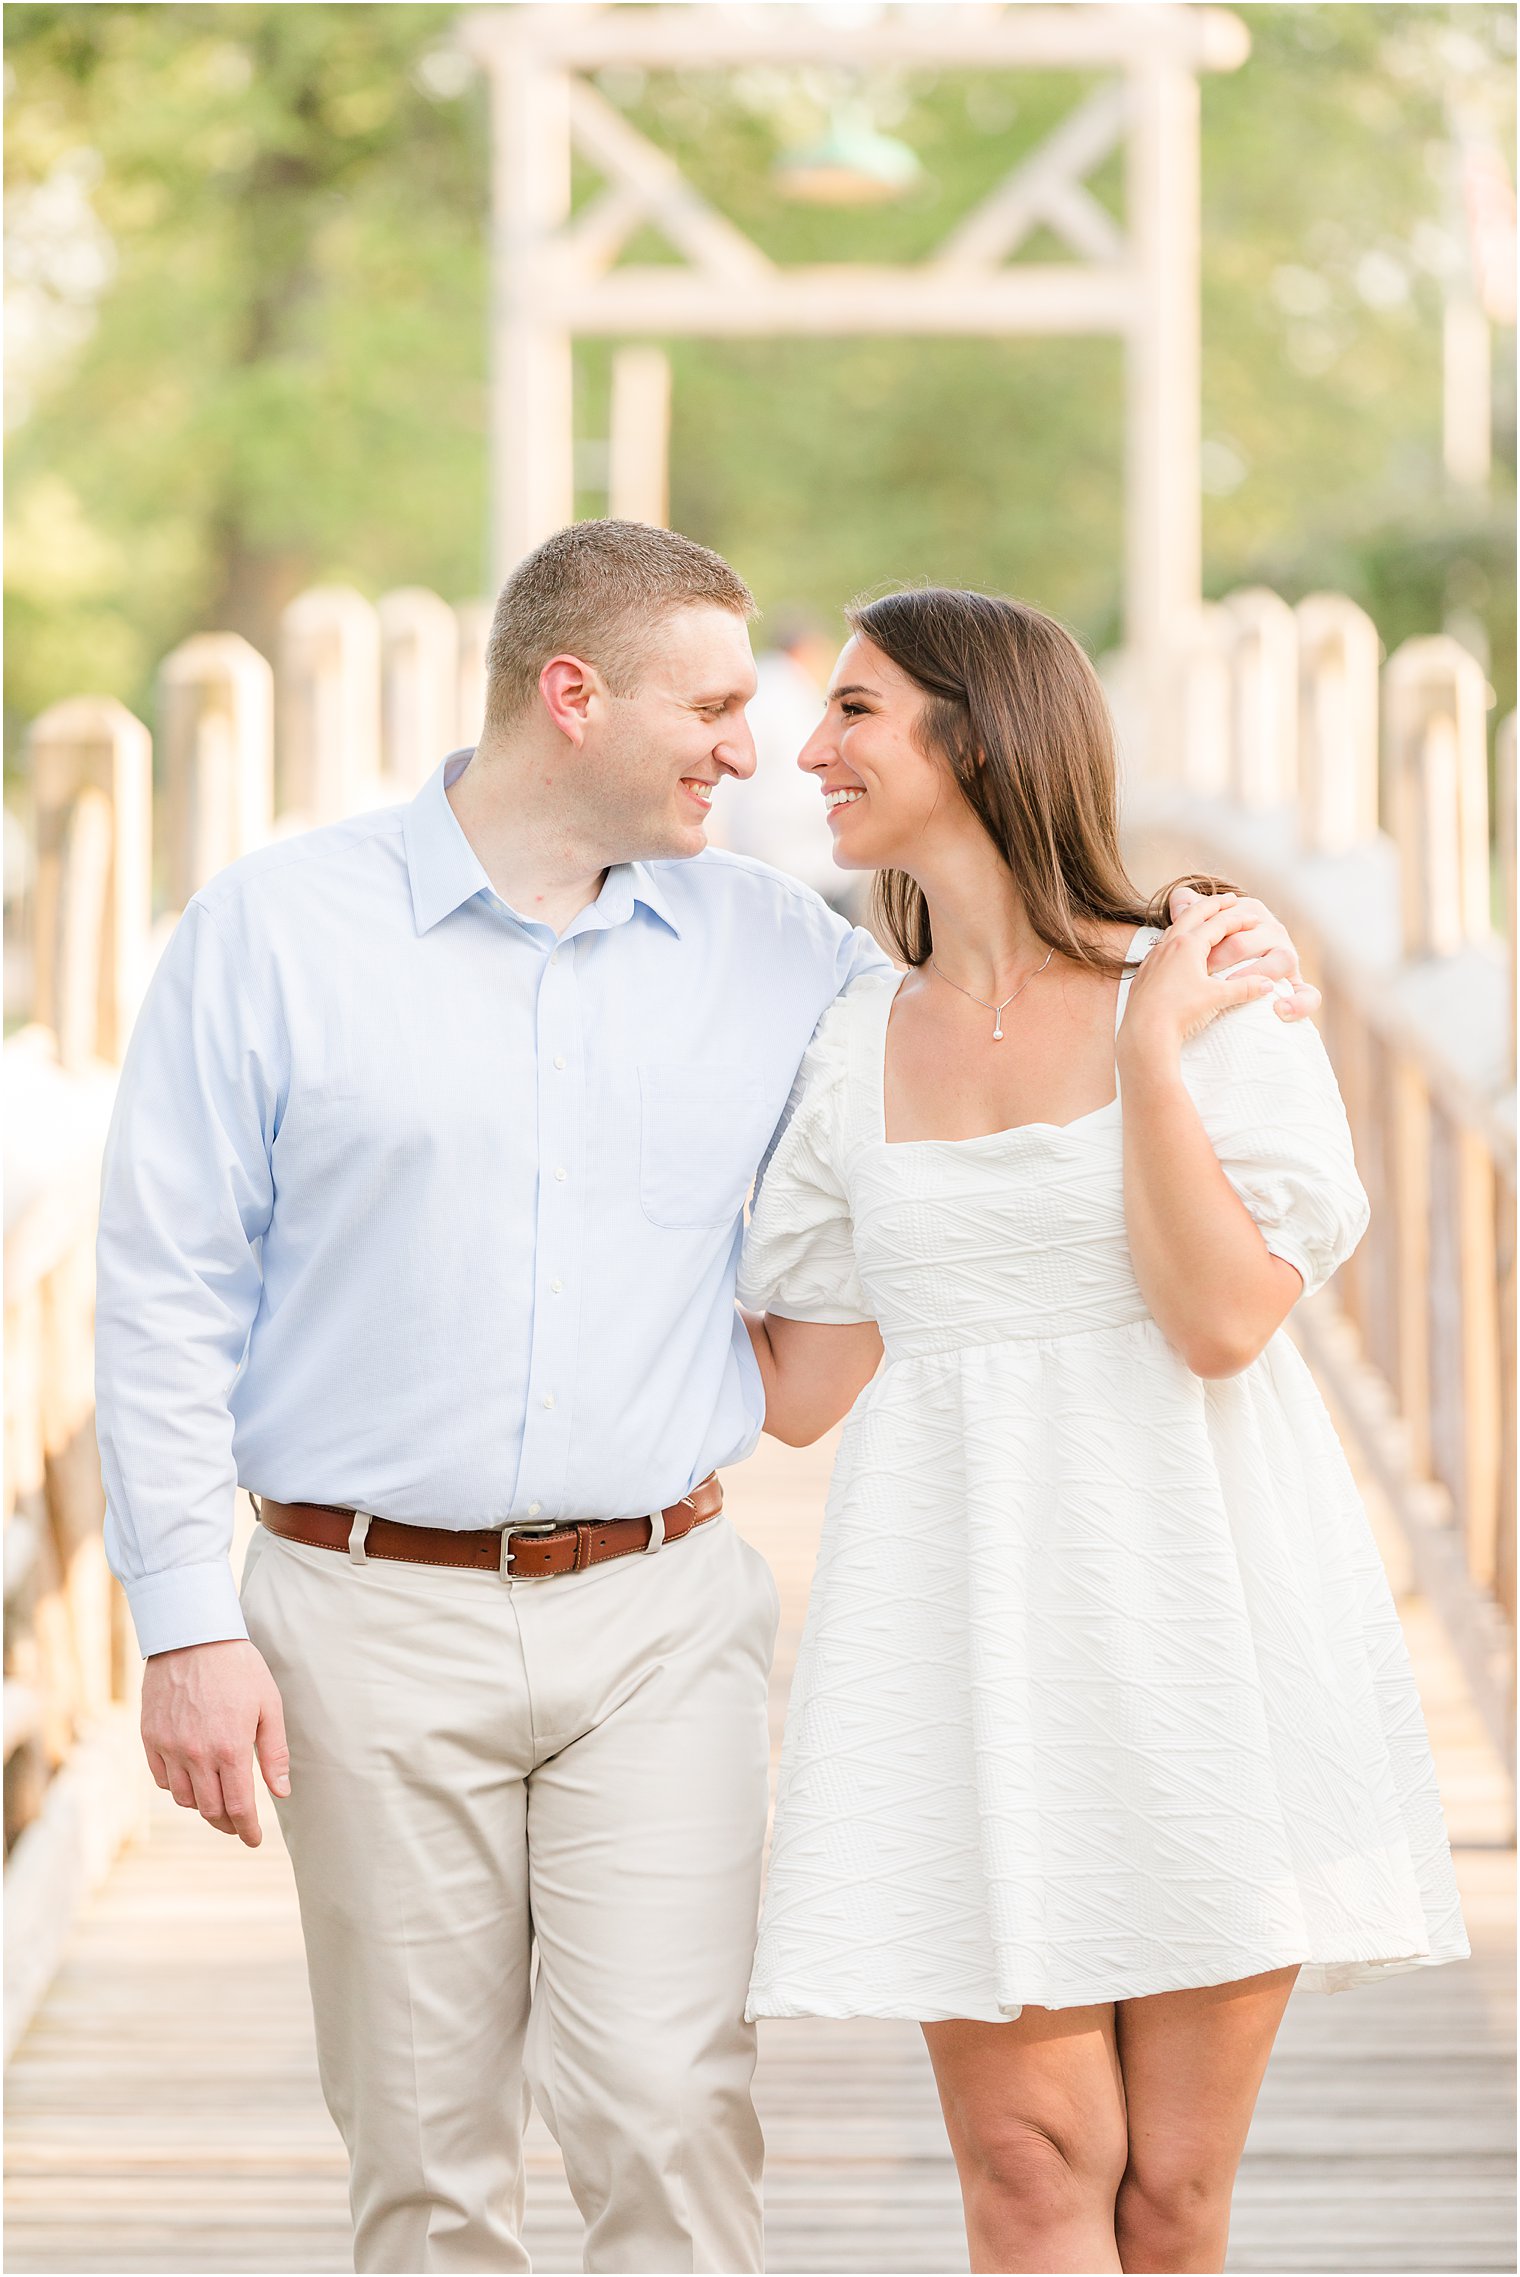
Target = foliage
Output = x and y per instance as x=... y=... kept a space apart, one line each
x=286 y=379
x=275 y=369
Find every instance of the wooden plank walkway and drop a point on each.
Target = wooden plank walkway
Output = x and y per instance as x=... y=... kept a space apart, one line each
x=163 y=2112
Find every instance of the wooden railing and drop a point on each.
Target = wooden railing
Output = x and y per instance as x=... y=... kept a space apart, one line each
x=368 y=699
x=1355 y=797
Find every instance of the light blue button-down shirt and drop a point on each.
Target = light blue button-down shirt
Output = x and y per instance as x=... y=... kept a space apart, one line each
x=411 y=1206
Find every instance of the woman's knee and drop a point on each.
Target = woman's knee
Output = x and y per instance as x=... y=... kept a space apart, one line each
x=1170 y=2209
x=1047 y=2171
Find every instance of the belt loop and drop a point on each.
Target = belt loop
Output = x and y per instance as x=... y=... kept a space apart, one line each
x=257 y=1503
x=357 y=1535
x=582 y=1549
x=656 y=1539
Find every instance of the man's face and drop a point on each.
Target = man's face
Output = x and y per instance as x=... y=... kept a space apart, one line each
x=653 y=758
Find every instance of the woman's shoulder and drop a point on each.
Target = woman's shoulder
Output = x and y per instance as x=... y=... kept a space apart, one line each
x=834 y=1069
x=1251 y=1062
x=854 y=1015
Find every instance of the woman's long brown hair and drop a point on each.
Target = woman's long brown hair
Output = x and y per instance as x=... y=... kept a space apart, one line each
x=1018 y=713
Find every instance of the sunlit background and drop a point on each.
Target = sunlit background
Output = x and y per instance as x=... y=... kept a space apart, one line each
x=246 y=260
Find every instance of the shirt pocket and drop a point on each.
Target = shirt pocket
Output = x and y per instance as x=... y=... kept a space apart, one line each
x=702 y=1129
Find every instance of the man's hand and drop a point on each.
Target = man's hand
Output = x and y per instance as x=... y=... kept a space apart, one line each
x=206 y=1710
x=1263 y=939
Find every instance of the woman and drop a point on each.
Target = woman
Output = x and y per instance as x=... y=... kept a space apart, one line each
x=1103 y=1732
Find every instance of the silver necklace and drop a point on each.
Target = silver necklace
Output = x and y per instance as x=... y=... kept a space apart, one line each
x=996 y=1009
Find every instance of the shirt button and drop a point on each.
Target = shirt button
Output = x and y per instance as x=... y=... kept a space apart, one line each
x=559 y=1060
x=534 y=1509
x=556 y=1287
x=548 y=1399
x=554 y=956
x=559 y=1173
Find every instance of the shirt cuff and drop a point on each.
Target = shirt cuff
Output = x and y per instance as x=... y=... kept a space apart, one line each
x=189 y=1605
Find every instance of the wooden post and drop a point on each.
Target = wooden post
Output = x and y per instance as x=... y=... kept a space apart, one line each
x=638 y=484
x=1505 y=1248
x=1478 y=1314
x=1208 y=710
x=474 y=619
x=328 y=705
x=1349 y=1042
x=1339 y=656
x=216 y=711
x=1410 y=1106
x=1164 y=540
x=1504 y=1212
x=1266 y=699
x=1435 y=784
x=1504 y=773
x=532 y=416
x=84 y=892
x=94 y=887
x=1376 y=1155
x=419 y=684
x=76 y=1500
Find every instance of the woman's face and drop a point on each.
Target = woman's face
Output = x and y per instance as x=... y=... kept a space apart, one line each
x=880 y=790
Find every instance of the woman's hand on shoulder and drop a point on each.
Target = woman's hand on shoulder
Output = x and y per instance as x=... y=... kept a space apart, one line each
x=1265 y=939
x=1174 y=995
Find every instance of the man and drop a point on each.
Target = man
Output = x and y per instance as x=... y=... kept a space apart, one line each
x=420 y=1220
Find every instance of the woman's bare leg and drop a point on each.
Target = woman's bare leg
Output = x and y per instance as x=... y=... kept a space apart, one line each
x=1192 y=2065
x=1035 y=2115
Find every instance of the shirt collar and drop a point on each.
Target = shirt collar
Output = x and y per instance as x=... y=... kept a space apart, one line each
x=445 y=871
x=643 y=888
x=444 y=868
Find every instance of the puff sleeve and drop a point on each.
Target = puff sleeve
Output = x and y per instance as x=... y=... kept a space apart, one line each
x=1270 y=1104
x=799 y=1252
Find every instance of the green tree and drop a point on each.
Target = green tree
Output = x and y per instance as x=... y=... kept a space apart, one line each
x=283 y=376
x=286 y=378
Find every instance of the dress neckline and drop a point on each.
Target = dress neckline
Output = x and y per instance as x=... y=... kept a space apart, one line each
x=1009 y=1130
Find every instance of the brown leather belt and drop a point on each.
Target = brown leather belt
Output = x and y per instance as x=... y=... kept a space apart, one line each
x=524 y=1553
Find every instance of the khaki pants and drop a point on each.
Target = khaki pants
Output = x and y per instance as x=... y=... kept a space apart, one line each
x=479 y=1769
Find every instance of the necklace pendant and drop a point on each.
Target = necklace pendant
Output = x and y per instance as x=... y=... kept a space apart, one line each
x=997 y=1033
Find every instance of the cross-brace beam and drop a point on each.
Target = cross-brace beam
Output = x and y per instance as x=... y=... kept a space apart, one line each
x=557 y=277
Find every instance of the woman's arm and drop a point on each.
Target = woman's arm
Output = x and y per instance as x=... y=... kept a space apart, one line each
x=1214 y=1288
x=813 y=1371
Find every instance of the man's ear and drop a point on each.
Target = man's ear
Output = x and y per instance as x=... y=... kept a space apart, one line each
x=569 y=688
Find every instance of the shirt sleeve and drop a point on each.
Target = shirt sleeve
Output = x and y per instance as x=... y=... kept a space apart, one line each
x=799 y=1246
x=1270 y=1104
x=186 y=1192
x=860 y=958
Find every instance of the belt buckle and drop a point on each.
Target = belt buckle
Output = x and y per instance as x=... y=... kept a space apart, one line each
x=527 y=1526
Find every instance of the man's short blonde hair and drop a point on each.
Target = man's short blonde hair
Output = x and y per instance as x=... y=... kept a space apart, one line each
x=596 y=590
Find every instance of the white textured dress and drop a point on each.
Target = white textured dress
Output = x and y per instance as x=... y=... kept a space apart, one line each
x=1102 y=1691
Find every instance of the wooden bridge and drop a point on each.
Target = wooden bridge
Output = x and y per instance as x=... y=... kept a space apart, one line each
x=162 y=2100
x=164 y=2114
